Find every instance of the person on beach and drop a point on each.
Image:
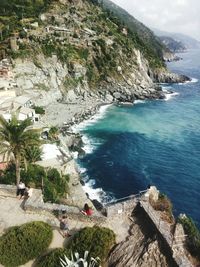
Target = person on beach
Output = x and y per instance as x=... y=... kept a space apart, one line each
x=87 y=210
x=20 y=189
x=64 y=226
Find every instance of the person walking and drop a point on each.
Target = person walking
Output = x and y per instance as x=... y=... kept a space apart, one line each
x=64 y=226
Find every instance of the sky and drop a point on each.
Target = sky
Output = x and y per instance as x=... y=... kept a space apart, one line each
x=181 y=16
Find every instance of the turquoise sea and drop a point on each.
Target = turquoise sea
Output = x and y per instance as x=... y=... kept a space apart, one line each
x=152 y=142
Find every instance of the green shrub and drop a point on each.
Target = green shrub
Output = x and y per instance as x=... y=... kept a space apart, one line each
x=33 y=154
x=8 y=176
x=164 y=205
x=39 y=110
x=52 y=259
x=97 y=240
x=53 y=133
x=23 y=243
x=193 y=235
x=55 y=186
x=34 y=175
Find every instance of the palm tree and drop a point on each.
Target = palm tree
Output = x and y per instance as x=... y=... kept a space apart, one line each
x=15 y=138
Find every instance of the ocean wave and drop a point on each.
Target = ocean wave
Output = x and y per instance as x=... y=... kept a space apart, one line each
x=193 y=80
x=81 y=170
x=169 y=95
x=139 y=102
x=99 y=115
x=88 y=146
x=95 y=193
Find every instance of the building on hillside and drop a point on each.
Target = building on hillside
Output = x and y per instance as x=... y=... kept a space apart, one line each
x=22 y=113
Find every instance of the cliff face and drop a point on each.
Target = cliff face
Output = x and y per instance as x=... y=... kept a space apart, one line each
x=79 y=49
x=143 y=248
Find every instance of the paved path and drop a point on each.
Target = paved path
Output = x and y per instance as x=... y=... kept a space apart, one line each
x=11 y=214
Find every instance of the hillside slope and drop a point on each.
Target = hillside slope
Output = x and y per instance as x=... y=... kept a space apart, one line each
x=151 y=43
x=172 y=44
x=77 y=49
x=188 y=41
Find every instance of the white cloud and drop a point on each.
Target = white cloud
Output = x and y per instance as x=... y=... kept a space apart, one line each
x=168 y=15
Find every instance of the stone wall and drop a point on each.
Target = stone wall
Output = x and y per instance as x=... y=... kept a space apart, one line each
x=122 y=207
x=8 y=190
x=36 y=204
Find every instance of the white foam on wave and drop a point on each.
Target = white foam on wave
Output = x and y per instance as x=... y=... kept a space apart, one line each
x=139 y=102
x=88 y=145
x=81 y=170
x=94 y=193
x=168 y=96
x=99 y=115
x=193 y=80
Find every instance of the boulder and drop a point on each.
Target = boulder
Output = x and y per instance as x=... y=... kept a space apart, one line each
x=108 y=98
x=117 y=95
x=71 y=96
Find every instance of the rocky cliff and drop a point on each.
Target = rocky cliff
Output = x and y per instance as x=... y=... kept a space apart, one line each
x=78 y=50
x=144 y=247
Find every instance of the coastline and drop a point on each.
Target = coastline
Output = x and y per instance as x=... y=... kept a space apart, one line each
x=70 y=119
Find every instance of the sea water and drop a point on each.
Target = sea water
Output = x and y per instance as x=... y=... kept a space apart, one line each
x=152 y=142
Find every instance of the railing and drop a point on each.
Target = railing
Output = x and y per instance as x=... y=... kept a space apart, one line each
x=136 y=197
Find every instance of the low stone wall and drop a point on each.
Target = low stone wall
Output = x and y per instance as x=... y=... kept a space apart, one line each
x=36 y=204
x=8 y=190
x=121 y=207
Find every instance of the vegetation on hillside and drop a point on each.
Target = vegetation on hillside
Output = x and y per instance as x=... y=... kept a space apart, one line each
x=193 y=236
x=145 y=38
x=53 y=184
x=109 y=43
x=164 y=205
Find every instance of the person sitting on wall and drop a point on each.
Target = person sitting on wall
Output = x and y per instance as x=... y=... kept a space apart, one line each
x=87 y=210
x=28 y=192
x=20 y=189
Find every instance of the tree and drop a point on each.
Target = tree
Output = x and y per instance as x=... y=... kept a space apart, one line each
x=33 y=153
x=15 y=138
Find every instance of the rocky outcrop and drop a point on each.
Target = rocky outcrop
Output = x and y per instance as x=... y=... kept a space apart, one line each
x=142 y=248
x=169 y=57
x=164 y=76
